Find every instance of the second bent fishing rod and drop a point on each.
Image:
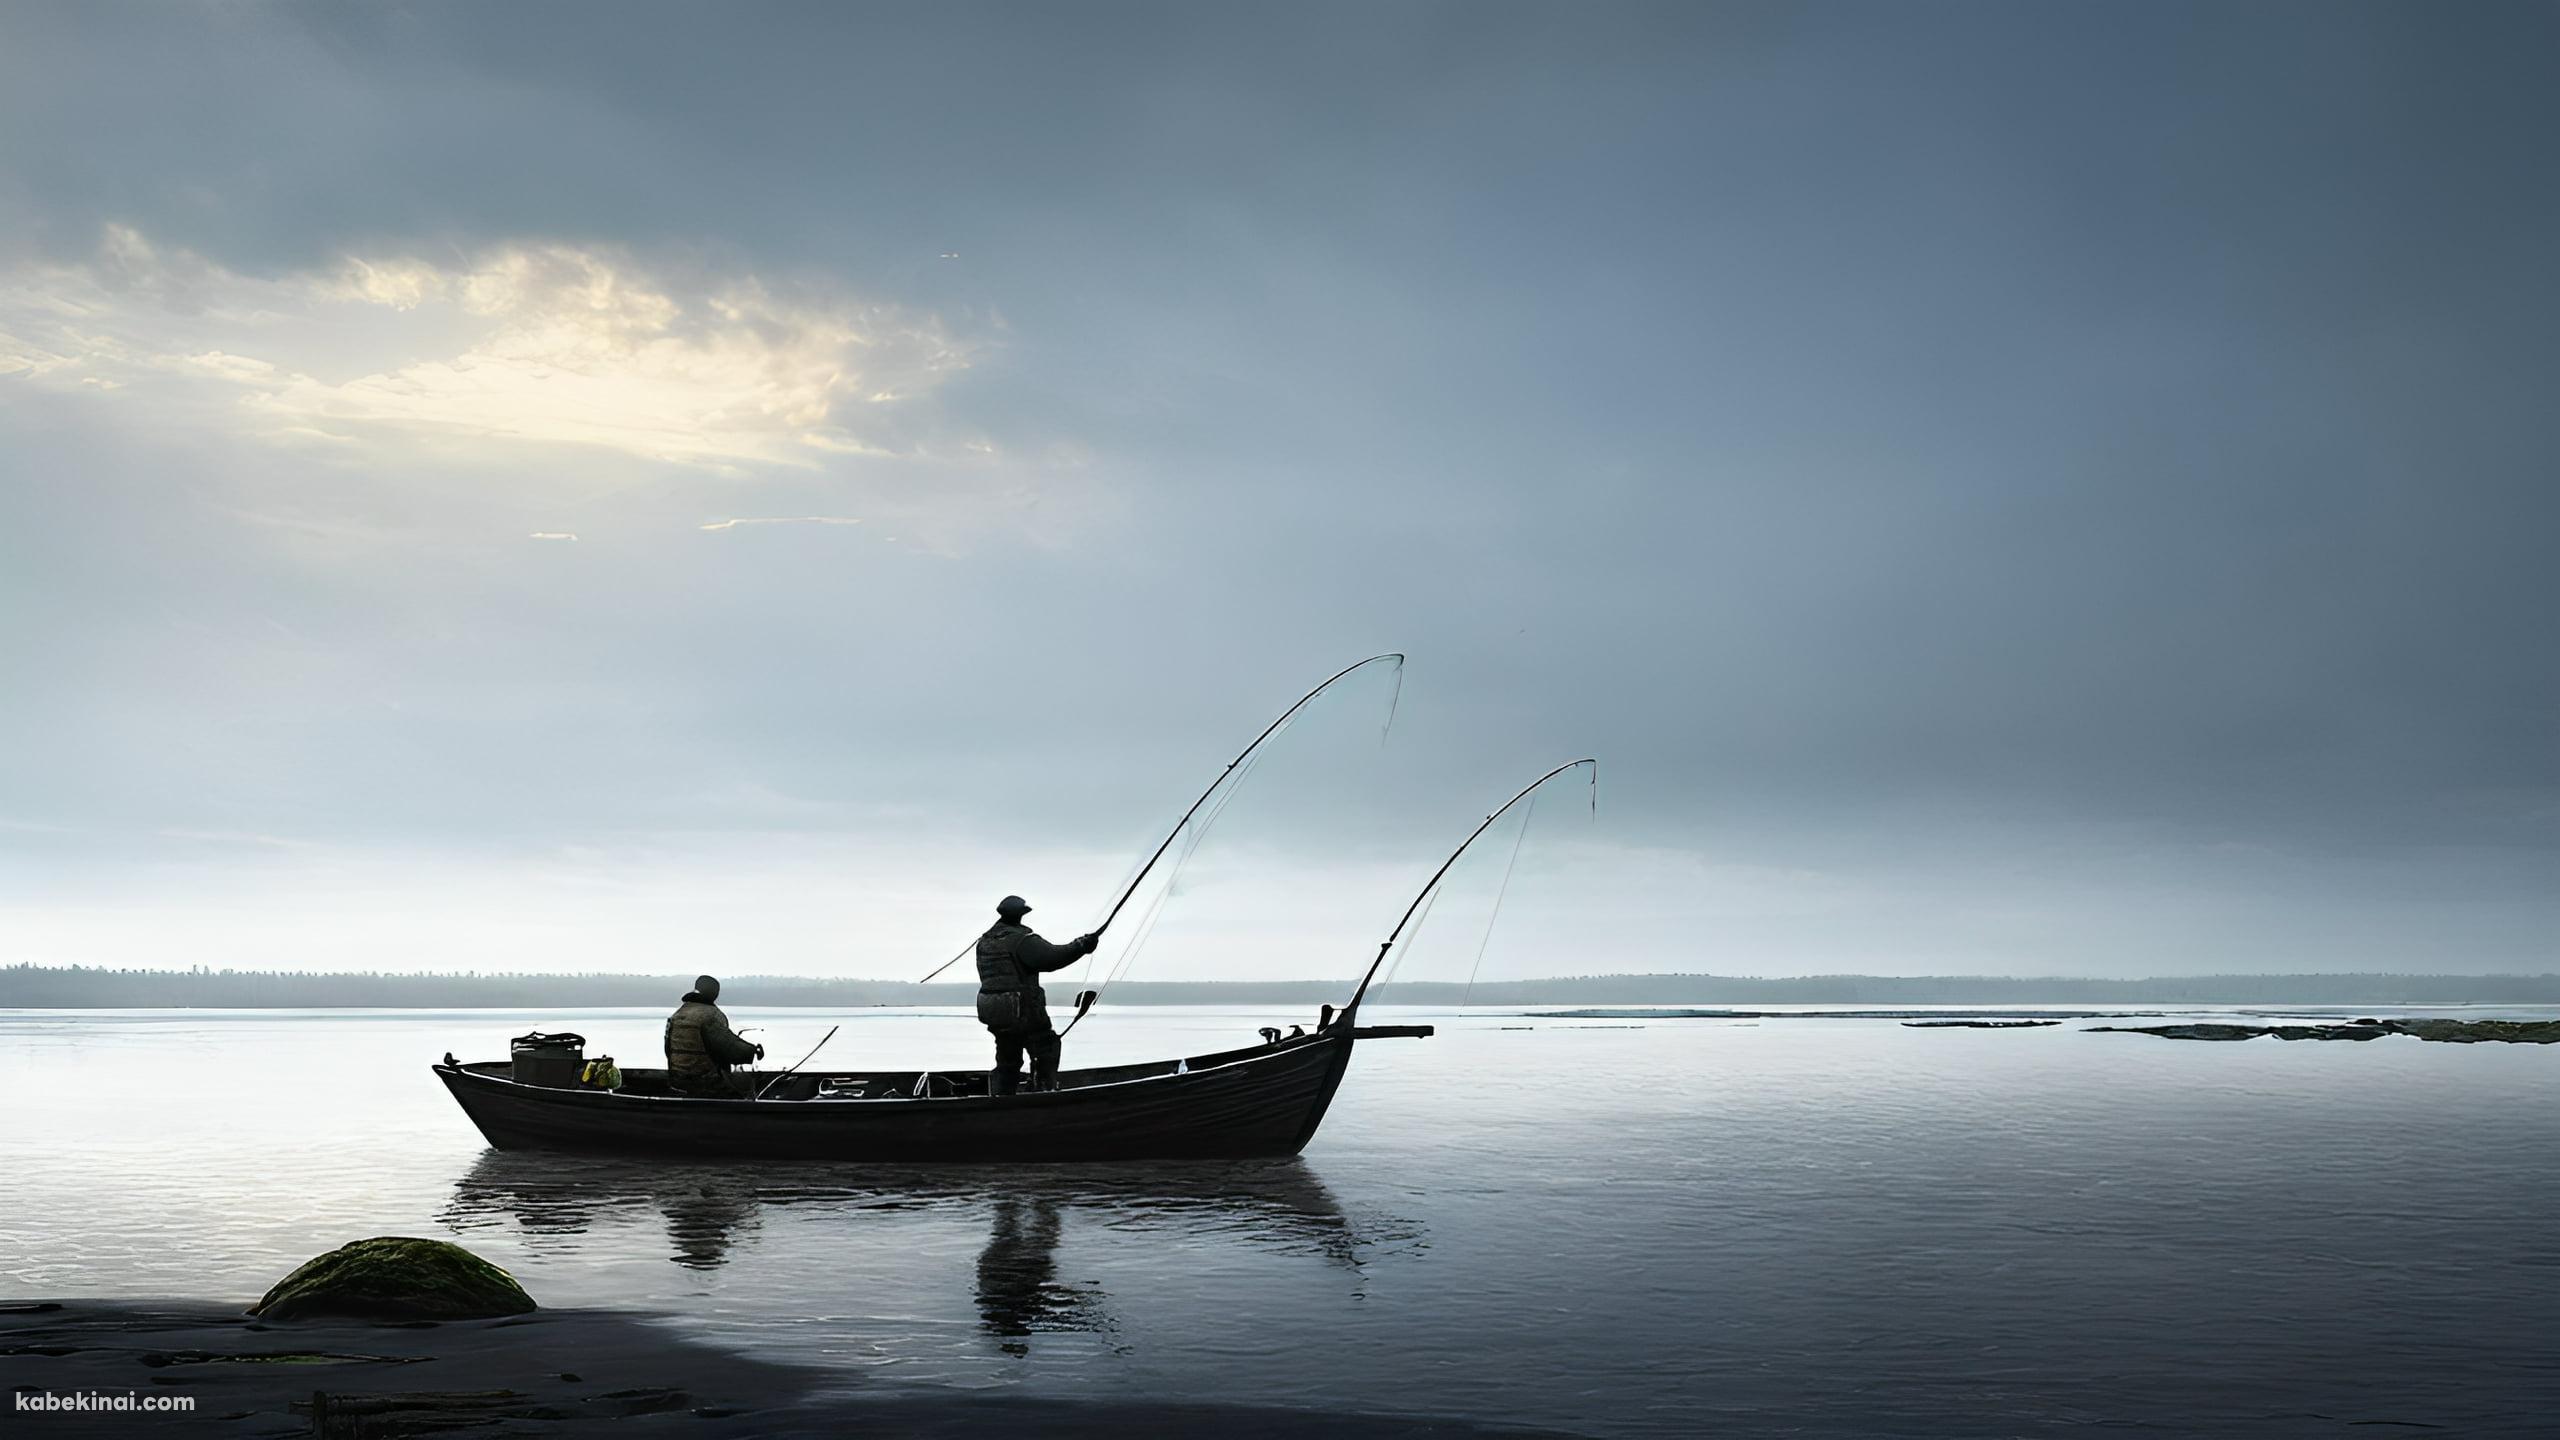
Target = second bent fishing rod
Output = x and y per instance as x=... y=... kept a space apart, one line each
x=1427 y=886
x=1176 y=833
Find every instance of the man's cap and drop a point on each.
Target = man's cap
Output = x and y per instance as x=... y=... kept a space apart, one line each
x=706 y=986
x=1013 y=905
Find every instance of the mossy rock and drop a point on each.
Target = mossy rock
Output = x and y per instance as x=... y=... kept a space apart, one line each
x=393 y=1277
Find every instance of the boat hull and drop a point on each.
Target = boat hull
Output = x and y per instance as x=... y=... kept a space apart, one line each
x=1244 y=1104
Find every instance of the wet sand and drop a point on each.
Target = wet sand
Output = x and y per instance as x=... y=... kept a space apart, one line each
x=554 y=1372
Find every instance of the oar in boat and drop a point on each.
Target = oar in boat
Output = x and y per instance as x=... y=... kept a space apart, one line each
x=1176 y=833
x=767 y=1087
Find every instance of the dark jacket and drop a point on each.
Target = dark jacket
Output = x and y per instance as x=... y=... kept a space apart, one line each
x=700 y=1043
x=1011 y=960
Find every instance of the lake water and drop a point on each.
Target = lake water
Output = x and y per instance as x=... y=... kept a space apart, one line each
x=1797 y=1226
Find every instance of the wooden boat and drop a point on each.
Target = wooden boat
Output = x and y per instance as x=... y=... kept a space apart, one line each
x=1265 y=1100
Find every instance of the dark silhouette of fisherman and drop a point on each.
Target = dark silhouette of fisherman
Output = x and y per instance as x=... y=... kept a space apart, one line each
x=701 y=1047
x=1011 y=1004
x=1019 y=1294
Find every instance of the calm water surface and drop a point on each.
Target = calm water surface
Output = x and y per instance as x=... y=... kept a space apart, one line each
x=1789 y=1226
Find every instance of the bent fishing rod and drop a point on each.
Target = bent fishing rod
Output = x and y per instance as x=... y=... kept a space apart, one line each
x=1241 y=756
x=767 y=1087
x=1429 y=885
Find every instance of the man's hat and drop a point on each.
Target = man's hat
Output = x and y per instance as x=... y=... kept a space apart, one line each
x=1013 y=905
x=706 y=987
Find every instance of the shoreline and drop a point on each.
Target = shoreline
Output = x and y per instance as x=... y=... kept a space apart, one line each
x=570 y=1372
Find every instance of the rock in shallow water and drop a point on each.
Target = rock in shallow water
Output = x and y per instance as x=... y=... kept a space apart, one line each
x=394 y=1277
x=2456 y=1032
x=2472 y=1032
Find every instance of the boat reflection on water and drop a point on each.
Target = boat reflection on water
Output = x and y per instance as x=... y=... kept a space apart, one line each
x=1276 y=1206
x=705 y=1207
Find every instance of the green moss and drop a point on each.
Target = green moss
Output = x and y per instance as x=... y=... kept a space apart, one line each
x=394 y=1277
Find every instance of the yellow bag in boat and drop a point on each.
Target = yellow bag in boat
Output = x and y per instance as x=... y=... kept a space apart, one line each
x=601 y=1074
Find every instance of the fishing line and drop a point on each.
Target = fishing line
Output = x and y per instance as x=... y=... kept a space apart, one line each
x=1423 y=919
x=1154 y=911
x=1405 y=952
x=1388 y=945
x=1199 y=826
x=1199 y=832
x=1242 y=757
x=1526 y=816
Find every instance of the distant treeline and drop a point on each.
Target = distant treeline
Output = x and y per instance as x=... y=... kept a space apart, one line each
x=36 y=987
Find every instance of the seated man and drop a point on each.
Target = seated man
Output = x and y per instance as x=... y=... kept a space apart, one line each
x=1011 y=1004
x=701 y=1047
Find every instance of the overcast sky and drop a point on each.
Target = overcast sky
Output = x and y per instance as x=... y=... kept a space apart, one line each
x=2045 y=489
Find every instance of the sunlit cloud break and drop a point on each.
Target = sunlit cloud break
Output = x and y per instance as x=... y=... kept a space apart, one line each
x=549 y=344
x=735 y=521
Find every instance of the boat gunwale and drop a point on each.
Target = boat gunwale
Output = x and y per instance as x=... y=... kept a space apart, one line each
x=1339 y=1032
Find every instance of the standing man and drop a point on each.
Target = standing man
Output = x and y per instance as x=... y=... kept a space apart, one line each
x=701 y=1047
x=1011 y=960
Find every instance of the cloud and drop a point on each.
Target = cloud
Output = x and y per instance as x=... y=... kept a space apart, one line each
x=551 y=535
x=735 y=521
x=519 y=345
